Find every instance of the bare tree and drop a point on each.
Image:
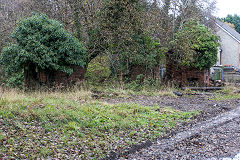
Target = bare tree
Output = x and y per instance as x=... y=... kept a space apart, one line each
x=86 y=24
x=169 y=15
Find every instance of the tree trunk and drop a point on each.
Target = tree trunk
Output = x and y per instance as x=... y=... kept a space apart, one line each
x=30 y=77
x=121 y=79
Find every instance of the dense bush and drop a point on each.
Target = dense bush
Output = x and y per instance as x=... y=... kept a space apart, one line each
x=194 y=46
x=129 y=43
x=149 y=51
x=42 y=44
x=98 y=69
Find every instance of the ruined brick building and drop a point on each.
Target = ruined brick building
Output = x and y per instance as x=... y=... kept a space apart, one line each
x=10 y=12
x=186 y=76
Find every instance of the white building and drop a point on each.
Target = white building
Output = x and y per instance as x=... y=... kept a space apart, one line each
x=229 y=52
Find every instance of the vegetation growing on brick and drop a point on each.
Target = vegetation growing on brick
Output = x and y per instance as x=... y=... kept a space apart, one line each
x=42 y=44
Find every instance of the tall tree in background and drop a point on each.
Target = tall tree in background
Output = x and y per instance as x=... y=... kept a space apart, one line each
x=124 y=28
x=86 y=25
x=233 y=19
x=10 y=12
x=170 y=15
x=121 y=21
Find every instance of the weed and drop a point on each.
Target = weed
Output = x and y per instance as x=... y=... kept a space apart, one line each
x=71 y=126
x=45 y=151
x=228 y=92
x=222 y=97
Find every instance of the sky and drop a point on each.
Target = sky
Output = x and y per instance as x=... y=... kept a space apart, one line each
x=225 y=7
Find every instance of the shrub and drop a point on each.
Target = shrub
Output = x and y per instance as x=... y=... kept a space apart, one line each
x=149 y=51
x=42 y=44
x=98 y=69
x=194 y=46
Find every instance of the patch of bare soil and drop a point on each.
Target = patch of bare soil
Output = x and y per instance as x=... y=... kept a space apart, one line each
x=203 y=102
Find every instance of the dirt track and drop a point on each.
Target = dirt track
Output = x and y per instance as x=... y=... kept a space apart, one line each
x=214 y=141
x=216 y=138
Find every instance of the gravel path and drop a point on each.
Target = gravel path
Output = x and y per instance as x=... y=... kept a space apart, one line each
x=214 y=139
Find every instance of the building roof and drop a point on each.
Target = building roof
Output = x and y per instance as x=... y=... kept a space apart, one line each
x=229 y=30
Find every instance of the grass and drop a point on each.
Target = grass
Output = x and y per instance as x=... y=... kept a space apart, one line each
x=71 y=125
x=133 y=88
x=229 y=92
x=226 y=97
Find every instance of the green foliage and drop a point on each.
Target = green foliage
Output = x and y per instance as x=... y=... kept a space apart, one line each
x=95 y=43
x=120 y=21
x=98 y=69
x=149 y=52
x=233 y=19
x=43 y=43
x=15 y=80
x=194 y=46
x=127 y=41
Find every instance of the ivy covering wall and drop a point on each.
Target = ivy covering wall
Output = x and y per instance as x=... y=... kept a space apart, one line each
x=42 y=44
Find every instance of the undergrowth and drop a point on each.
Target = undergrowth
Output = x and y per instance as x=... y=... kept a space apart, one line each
x=148 y=87
x=227 y=93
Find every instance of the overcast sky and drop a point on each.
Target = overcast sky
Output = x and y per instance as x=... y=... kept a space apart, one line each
x=225 y=7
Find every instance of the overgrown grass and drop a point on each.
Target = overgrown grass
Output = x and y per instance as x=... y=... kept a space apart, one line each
x=146 y=88
x=220 y=97
x=227 y=93
x=71 y=125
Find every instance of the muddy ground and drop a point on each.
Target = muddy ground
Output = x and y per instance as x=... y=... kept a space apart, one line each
x=202 y=101
x=217 y=142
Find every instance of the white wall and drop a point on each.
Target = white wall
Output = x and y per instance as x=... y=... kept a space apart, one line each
x=230 y=49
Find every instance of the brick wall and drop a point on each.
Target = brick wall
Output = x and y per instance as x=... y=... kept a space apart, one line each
x=61 y=78
x=77 y=76
x=153 y=72
x=183 y=76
